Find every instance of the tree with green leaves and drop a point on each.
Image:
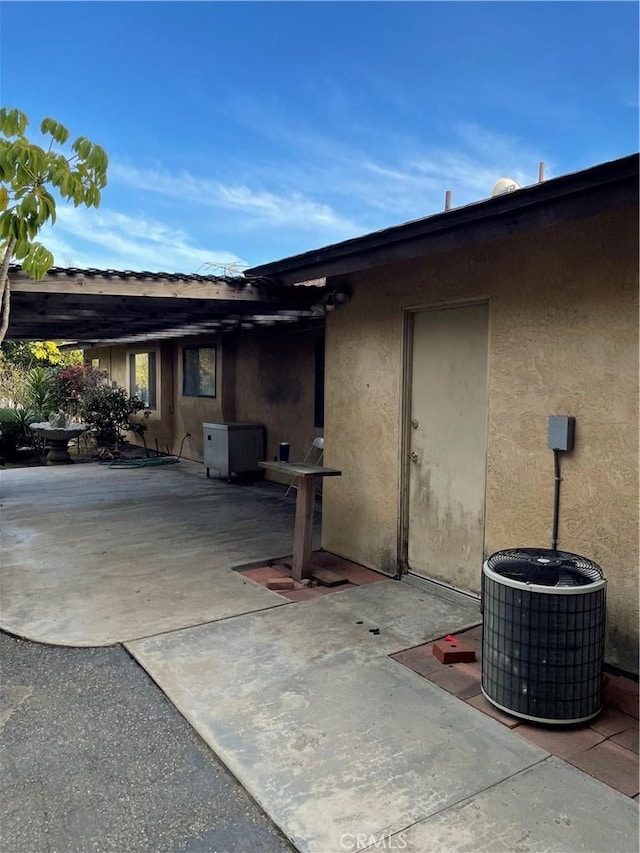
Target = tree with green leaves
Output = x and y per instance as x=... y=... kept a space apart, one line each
x=32 y=353
x=29 y=177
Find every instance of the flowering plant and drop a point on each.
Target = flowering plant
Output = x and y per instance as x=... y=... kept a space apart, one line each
x=76 y=380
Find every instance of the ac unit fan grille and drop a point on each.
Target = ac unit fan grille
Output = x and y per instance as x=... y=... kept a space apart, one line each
x=544 y=567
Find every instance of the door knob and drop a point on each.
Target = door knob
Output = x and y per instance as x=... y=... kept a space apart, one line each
x=413 y=456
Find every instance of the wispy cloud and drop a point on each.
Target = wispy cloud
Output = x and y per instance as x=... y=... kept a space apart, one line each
x=375 y=166
x=469 y=166
x=258 y=208
x=317 y=190
x=411 y=179
x=338 y=190
x=106 y=238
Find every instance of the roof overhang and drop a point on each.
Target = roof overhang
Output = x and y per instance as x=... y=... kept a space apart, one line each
x=107 y=306
x=570 y=197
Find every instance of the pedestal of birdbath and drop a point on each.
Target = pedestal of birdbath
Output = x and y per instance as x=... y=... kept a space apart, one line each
x=57 y=439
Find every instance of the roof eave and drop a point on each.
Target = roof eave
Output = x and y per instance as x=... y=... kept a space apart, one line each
x=609 y=184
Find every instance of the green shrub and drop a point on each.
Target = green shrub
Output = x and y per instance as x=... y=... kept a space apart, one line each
x=14 y=426
x=108 y=410
x=13 y=378
x=40 y=395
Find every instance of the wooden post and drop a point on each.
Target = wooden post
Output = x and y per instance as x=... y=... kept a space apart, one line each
x=304 y=527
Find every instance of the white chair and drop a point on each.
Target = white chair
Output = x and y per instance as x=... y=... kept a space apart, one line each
x=313 y=457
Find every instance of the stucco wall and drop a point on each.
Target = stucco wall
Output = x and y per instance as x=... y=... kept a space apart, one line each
x=175 y=415
x=264 y=376
x=275 y=387
x=189 y=413
x=563 y=339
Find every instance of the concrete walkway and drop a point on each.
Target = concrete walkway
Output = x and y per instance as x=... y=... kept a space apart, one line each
x=341 y=745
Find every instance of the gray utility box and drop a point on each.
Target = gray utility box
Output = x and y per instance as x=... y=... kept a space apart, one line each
x=561 y=432
x=233 y=448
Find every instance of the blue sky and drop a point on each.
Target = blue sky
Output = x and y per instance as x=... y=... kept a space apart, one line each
x=240 y=133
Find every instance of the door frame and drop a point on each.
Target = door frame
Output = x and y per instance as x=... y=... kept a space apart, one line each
x=405 y=430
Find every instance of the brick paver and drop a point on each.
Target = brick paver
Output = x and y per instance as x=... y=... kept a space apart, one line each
x=606 y=748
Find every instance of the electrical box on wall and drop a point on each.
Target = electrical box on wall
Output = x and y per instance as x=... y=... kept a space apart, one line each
x=561 y=432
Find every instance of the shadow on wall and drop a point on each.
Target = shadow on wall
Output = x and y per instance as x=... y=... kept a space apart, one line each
x=277 y=381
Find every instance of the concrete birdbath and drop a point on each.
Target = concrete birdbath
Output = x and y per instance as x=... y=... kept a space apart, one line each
x=57 y=434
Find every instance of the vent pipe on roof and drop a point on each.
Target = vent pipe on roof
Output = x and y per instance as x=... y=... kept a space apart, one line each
x=447 y=200
x=541 y=172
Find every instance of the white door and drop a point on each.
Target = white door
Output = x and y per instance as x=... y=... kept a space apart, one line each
x=447 y=434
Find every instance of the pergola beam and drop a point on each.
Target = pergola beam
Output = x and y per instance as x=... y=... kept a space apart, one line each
x=110 y=306
x=138 y=287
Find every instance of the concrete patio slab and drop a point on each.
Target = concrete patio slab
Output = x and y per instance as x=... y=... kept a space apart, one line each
x=327 y=733
x=93 y=556
x=339 y=743
x=550 y=807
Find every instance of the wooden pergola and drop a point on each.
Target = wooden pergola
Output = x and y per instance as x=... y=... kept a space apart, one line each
x=91 y=306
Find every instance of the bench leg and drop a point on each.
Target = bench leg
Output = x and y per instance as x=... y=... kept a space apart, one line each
x=303 y=528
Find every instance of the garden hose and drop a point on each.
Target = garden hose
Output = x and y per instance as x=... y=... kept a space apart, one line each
x=141 y=463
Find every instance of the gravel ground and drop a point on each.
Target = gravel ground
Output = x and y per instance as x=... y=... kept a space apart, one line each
x=95 y=758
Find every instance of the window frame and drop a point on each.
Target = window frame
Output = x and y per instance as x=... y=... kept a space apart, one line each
x=198 y=347
x=153 y=404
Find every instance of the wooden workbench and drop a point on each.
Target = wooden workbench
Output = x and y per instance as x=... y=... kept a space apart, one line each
x=304 y=476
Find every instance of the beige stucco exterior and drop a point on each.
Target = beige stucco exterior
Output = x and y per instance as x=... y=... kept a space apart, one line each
x=274 y=385
x=563 y=339
x=174 y=415
x=263 y=376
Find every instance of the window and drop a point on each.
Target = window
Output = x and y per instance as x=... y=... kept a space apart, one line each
x=199 y=371
x=142 y=377
x=95 y=363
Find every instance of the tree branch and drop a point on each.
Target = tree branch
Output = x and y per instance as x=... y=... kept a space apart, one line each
x=5 y=298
